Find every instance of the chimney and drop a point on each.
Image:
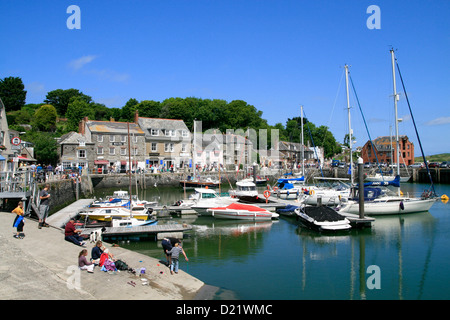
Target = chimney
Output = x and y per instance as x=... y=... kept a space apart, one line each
x=81 y=126
x=136 y=116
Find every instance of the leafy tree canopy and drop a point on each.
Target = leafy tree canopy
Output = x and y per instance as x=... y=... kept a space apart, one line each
x=12 y=93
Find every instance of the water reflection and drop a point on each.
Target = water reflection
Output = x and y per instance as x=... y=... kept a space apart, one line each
x=382 y=245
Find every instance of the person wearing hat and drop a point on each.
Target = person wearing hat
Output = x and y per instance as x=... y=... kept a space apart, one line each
x=72 y=234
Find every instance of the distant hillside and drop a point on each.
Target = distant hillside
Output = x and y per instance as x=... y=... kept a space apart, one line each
x=435 y=158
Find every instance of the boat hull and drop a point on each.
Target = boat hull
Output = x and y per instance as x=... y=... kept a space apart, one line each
x=379 y=178
x=194 y=184
x=238 y=215
x=334 y=222
x=390 y=206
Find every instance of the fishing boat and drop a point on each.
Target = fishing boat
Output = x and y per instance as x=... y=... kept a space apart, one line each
x=322 y=218
x=240 y=211
x=204 y=199
x=108 y=214
x=245 y=191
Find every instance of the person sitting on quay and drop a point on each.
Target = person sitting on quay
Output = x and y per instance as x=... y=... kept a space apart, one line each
x=72 y=234
x=83 y=264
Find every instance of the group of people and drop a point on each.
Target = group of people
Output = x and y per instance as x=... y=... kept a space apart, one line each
x=100 y=256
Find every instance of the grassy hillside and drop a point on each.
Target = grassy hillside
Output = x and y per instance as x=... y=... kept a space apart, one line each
x=435 y=158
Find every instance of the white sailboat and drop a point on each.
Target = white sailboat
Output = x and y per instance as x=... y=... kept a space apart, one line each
x=392 y=204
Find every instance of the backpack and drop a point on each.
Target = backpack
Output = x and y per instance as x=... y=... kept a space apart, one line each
x=120 y=265
x=109 y=265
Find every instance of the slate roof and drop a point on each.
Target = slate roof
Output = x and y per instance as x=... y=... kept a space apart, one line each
x=109 y=127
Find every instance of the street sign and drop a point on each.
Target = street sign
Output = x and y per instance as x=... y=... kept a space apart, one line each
x=16 y=141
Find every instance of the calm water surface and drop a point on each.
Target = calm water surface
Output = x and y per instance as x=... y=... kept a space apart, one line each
x=280 y=260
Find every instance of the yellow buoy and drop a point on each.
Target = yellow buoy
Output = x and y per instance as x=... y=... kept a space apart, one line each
x=444 y=197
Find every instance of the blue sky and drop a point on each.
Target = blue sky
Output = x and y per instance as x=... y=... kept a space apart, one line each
x=275 y=55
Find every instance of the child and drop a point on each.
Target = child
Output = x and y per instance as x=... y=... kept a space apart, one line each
x=83 y=264
x=175 y=251
x=18 y=221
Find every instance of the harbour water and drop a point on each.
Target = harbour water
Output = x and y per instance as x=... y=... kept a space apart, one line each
x=400 y=257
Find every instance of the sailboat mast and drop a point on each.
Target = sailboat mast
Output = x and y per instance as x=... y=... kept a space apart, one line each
x=129 y=164
x=396 y=98
x=350 y=143
x=303 y=142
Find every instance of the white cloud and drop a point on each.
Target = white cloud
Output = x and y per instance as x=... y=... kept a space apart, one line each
x=80 y=62
x=438 y=121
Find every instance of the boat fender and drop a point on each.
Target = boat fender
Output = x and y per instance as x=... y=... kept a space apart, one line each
x=311 y=192
x=402 y=206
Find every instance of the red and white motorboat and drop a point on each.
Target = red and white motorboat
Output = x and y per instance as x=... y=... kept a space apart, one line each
x=241 y=211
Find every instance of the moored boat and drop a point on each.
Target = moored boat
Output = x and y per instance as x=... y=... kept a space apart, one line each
x=242 y=212
x=108 y=214
x=322 y=218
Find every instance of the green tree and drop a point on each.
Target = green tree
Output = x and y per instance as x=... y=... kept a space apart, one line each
x=12 y=93
x=77 y=109
x=149 y=109
x=60 y=99
x=45 y=146
x=128 y=110
x=45 y=118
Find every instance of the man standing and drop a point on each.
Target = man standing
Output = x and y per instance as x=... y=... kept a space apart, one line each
x=44 y=206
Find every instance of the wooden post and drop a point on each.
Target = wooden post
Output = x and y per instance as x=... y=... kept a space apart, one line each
x=361 y=187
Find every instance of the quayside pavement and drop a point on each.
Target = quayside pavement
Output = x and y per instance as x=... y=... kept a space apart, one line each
x=43 y=266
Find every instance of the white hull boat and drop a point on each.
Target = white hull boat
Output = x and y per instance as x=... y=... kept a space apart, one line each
x=239 y=211
x=108 y=214
x=322 y=218
x=390 y=205
x=385 y=178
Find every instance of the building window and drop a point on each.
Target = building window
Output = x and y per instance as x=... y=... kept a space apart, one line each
x=168 y=147
x=154 y=132
x=112 y=138
x=81 y=153
x=112 y=150
x=123 y=138
x=154 y=147
x=99 y=138
x=135 y=151
x=99 y=150
x=170 y=133
x=184 y=133
x=183 y=147
x=123 y=152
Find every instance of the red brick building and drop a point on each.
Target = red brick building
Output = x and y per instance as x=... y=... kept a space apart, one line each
x=383 y=150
